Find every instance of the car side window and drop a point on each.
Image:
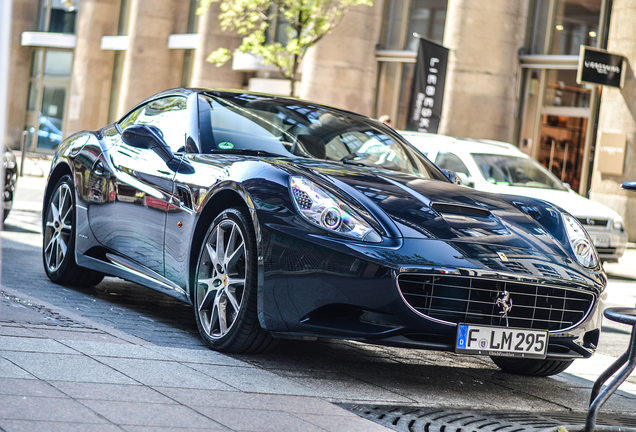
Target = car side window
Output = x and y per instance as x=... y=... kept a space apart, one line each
x=452 y=162
x=169 y=114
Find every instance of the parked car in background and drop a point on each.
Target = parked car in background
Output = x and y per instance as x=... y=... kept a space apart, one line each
x=10 y=166
x=495 y=166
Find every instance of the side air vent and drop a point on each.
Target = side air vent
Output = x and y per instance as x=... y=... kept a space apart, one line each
x=458 y=209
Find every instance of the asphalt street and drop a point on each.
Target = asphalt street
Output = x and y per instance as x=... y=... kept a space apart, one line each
x=122 y=357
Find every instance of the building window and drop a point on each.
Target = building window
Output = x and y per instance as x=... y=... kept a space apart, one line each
x=404 y=20
x=560 y=27
x=58 y=16
x=48 y=88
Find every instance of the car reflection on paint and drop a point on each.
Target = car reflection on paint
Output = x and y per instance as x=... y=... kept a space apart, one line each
x=278 y=218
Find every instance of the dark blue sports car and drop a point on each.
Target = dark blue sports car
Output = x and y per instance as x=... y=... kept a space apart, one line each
x=276 y=217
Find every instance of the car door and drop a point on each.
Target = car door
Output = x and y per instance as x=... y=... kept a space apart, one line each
x=132 y=222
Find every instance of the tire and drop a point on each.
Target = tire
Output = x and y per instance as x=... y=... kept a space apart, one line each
x=58 y=249
x=225 y=287
x=531 y=367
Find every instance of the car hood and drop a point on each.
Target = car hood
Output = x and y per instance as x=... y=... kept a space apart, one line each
x=428 y=208
x=569 y=201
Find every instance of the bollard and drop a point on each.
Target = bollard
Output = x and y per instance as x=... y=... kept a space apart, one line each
x=24 y=149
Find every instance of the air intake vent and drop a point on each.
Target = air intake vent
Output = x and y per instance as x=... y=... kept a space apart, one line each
x=461 y=210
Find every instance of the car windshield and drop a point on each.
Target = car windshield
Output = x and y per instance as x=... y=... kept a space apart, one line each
x=292 y=128
x=515 y=171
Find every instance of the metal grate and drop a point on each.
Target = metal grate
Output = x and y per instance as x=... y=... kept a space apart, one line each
x=459 y=299
x=422 y=419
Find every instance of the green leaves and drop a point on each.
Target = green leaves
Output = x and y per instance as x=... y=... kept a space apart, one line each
x=304 y=22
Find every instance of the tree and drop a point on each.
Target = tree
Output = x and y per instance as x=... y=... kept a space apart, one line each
x=306 y=22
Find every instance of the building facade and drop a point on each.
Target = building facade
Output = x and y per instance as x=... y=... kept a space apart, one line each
x=79 y=64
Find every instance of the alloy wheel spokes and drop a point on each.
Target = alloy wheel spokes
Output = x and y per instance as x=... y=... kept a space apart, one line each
x=221 y=278
x=58 y=227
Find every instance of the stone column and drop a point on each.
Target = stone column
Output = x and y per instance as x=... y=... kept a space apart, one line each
x=92 y=67
x=211 y=37
x=484 y=39
x=618 y=113
x=24 y=18
x=149 y=66
x=340 y=70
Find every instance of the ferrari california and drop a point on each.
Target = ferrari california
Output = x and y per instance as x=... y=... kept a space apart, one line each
x=281 y=218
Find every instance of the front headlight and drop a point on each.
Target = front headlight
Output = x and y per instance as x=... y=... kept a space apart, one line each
x=618 y=224
x=580 y=242
x=326 y=211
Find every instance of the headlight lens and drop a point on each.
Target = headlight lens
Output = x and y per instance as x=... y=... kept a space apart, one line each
x=618 y=224
x=323 y=209
x=580 y=242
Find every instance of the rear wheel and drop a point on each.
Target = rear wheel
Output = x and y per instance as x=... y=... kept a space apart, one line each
x=58 y=250
x=531 y=367
x=225 y=287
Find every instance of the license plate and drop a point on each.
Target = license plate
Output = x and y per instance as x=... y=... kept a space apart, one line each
x=501 y=341
x=601 y=241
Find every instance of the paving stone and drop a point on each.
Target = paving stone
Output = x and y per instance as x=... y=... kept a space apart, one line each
x=258 y=421
x=46 y=409
x=28 y=387
x=62 y=367
x=110 y=392
x=256 y=401
x=11 y=370
x=38 y=345
x=350 y=423
x=144 y=414
x=164 y=373
x=123 y=350
x=255 y=380
x=54 y=426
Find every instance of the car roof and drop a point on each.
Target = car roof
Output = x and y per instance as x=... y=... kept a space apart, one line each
x=423 y=141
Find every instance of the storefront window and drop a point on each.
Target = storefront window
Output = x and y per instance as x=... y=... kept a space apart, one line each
x=58 y=16
x=399 y=45
x=562 y=90
x=575 y=24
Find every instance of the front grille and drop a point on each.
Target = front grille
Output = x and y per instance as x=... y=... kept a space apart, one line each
x=594 y=222
x=460 y=299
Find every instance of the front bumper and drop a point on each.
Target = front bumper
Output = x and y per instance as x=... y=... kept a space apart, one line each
x=321 y=287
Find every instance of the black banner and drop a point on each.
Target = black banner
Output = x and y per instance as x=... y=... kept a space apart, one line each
x=427 y=91
x=598 y=66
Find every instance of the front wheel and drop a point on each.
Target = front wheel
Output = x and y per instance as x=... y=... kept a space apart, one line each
x=58 y=249
x=225 y=287
x=531 y=367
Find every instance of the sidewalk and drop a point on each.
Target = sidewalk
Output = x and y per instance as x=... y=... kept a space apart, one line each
x=61 y=372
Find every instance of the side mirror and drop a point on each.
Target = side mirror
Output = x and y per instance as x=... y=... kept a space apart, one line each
x=467 y=181
x=453 y=177
x=629 y=185
x=148 y=137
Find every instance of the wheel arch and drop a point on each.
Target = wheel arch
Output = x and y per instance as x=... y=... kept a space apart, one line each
x=230 y=196
x=59 y=171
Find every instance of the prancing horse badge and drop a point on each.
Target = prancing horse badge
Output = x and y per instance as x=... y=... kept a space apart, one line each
x=502 y=256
